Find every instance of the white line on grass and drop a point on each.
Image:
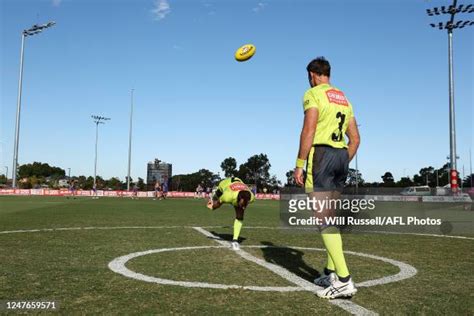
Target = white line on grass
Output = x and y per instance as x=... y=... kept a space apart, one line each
x=118 y=265
x=368 y=232
x=406 y=271
x=419 y=234
x=88 y=228
x=171 y=227
x=347 y=305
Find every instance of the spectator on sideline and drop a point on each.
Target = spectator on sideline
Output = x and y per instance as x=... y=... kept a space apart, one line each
x=157 y=190
x=164 y=189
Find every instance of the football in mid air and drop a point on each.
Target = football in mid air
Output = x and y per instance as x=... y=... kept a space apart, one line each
x=245 y=52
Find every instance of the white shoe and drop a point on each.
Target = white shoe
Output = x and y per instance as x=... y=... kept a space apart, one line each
x=235 y=245
x=325 y=280
x=338 y=289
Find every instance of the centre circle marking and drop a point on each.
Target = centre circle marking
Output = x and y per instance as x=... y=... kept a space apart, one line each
x=118 y=266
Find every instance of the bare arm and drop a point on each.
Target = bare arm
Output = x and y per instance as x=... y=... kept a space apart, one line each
x=307 y=133
x=352 y=133
x=306 y=140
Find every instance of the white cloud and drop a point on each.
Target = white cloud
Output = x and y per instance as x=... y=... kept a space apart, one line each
x=56 y=3
x=161 y=8
x=260 y=6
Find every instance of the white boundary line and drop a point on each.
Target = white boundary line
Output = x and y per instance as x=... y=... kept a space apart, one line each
x=406 y=271
x=118 y=266
x=88 y=228
x=347 y=305
x=421 y=234
x=171 y=227
x=368 y=232
x=282 y=272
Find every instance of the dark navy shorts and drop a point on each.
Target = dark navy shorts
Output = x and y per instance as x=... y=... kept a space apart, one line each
x=327 y=169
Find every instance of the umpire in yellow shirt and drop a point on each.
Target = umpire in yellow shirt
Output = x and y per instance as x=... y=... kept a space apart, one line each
x=328 y=118
x=235 y=192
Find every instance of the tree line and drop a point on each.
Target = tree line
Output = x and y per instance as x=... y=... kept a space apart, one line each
x=42 y=175
x=426 y=176
x=255 y=171
x=429 y=176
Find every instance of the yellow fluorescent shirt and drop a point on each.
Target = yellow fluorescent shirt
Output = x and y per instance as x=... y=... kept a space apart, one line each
x=334 y=110
x=230 y=189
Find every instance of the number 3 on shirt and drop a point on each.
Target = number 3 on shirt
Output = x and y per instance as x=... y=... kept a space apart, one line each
x=337 y=136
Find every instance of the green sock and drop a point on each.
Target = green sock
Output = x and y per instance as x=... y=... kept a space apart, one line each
x=237 y=228
x=333 y=243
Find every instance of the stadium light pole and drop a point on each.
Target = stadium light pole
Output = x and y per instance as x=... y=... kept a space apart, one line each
x=470 y=164
x=357 y=175
x=130 y=141
x=450 y=25
x=35 y=29
x=357 y=169
x=97 y=120
x=6 y=173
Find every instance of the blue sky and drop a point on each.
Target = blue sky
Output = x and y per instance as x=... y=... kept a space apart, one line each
x=195 y=105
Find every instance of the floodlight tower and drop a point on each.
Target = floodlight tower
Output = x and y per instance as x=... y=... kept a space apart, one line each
x=357 y=170
x=451 y=25
x=35 y=29
x=97 y=120
x=357 y=175
x=130 y=141
x=470 y=165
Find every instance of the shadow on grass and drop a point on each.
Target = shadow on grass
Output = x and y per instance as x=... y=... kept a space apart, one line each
x=290 y=259
x=286 y=257
x=227 y=237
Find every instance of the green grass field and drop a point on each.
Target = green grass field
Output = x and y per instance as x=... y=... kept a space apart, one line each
x=71 y=266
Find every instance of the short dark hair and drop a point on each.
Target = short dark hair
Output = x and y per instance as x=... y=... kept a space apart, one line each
x=244 y=195
x=319 y=66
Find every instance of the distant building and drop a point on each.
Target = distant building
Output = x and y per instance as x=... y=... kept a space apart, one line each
x=158 y=171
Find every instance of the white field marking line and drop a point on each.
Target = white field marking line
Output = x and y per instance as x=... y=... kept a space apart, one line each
x=342 y=303
x=369 y=232
x=171 y=227
x=88 y=228
x=406 y=271
x=118 y=266
x=347 y=305
x=421 y=234
x=45 y=202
